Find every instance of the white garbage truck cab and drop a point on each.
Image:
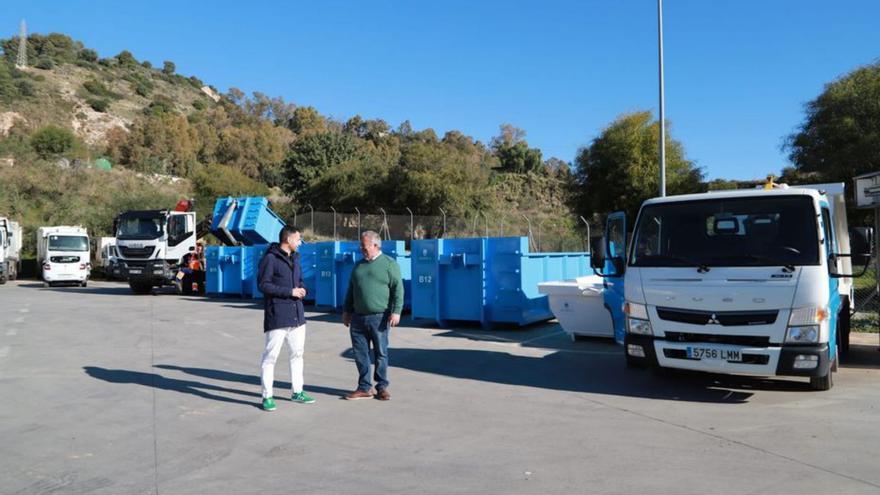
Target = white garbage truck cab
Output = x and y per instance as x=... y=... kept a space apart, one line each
x=10 y=249
x=754 y=282
x=152 y=244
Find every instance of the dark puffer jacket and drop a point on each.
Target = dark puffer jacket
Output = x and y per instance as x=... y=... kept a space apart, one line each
x=279 y=275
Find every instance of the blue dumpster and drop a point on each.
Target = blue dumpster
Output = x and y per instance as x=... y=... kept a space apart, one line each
x=335 y=262
x=247 y=219
x=487 y=280
x=309 y=269
x=224 y=270
x=250 y=269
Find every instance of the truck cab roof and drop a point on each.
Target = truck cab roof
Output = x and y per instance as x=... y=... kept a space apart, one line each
x=815 y=190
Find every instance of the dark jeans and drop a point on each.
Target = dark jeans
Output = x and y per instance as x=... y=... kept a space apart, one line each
x=369 y=341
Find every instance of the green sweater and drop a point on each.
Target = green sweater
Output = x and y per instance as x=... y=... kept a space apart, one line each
x=375 y=287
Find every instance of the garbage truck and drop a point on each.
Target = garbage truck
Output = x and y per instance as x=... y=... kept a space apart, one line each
x=10 y=249
x=153 y=245
x=63 y=255
x=753 y=282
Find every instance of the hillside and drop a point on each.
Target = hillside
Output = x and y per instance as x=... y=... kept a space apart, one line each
x=70 y=107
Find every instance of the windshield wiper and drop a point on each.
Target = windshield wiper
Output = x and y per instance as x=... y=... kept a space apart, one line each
x=787 y=266
x=701 y=267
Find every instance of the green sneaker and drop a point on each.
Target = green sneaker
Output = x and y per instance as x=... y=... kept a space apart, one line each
x=302 y=398
x=268 y=404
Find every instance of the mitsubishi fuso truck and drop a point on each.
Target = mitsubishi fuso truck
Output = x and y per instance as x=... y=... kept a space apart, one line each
x=753 y=282
x=63 y=255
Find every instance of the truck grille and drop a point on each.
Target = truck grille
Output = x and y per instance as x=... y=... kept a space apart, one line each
x=723 y=318
x=144 y=253
x=743 y=340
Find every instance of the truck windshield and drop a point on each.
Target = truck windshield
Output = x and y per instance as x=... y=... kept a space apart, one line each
x=68 y=243
x=769 y=231
x=139 y=227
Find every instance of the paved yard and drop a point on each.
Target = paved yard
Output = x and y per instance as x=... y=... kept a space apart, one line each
x=107 y=392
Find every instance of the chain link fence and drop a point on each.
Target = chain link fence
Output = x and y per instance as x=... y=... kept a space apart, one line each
x=546 y=234
x=866 y=300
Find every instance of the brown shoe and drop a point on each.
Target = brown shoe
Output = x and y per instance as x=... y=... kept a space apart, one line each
x=359 y=394
x=384 y=394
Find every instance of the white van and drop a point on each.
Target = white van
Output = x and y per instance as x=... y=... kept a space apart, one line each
x=63 y=255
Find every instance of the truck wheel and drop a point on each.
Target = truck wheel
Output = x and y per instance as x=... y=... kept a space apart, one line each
x=140 y=288
x=843 y=328
x=822 y=383
x=85 y=283
x=13 y=271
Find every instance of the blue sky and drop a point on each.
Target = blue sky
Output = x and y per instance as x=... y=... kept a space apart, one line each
x=737 y=73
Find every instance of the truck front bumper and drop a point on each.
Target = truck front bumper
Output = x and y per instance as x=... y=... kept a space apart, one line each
x=784 y=360
x=154 y=272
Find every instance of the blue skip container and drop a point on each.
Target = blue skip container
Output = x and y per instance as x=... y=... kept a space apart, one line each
x=490 y=280
x=248 y=220
x=335 y=262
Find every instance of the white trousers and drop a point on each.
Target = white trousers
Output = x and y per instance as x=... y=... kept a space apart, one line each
x=296 y=342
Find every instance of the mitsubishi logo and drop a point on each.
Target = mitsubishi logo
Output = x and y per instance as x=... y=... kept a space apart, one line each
x=713 y=320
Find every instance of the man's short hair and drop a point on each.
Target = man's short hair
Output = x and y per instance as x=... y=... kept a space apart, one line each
x=373 y=237
x=286 y=232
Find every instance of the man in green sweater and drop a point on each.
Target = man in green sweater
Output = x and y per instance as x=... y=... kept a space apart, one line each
x=372 y=306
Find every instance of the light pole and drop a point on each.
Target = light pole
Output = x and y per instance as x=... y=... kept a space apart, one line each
x=662 y=102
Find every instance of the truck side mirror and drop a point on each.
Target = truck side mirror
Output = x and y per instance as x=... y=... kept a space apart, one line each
x=861 y=242
x=619 y=265
x=597 y=253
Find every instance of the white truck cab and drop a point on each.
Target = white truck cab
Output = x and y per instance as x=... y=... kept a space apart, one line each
x=63 y=255
x=152 y=244
x=749 y=282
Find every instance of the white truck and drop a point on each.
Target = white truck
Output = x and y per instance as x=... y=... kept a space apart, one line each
x=152 y=245
x=10 y=249
x=753 y=282
x=63 y=255
x=107 y=257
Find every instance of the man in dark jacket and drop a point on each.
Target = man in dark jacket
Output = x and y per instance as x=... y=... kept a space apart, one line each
x=280 y=281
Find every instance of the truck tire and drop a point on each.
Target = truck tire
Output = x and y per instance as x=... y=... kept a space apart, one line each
x=2 y=279
x=843 y=328
x=140 y=288
x=822 y=383
x=13 y=271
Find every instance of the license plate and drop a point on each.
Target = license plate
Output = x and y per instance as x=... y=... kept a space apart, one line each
x=716 y=354
x=136 y=271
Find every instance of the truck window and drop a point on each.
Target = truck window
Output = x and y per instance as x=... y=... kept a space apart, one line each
x=830 y=245
x=177 y=231
x=750 y=231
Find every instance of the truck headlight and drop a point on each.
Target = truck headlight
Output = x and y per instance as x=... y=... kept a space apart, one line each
x=808 y=334
x=638 y=327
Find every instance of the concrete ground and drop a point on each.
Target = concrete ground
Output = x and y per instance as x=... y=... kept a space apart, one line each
x=107 y=392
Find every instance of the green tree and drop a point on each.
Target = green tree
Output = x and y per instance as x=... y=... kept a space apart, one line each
x=620 y=169
x=168 y=67
x=88 y=55
x=513 y=151
x=126 y=59
x=840 y=137
x=312 y=155
x=307 y=120
x=50 y=141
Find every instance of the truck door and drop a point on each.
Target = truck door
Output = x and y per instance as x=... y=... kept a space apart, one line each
x=835 y=302
x=615 y=267
x=181 y=235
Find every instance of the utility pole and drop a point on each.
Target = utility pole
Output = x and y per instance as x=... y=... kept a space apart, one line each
x=662 y=102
